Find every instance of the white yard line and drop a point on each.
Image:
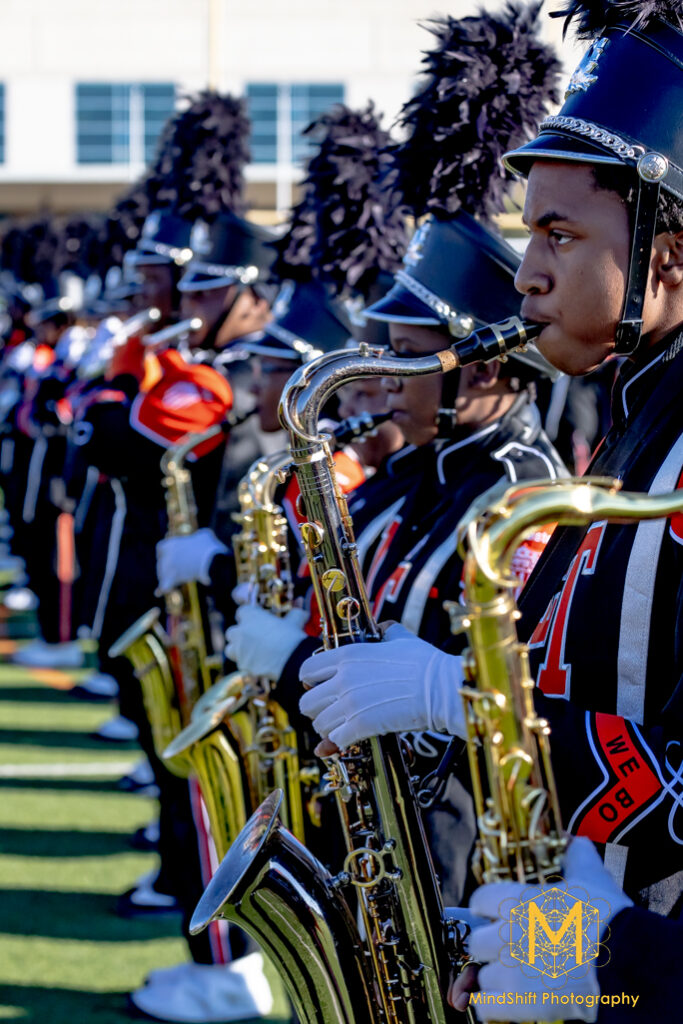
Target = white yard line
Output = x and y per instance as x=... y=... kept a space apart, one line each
x=84 y=770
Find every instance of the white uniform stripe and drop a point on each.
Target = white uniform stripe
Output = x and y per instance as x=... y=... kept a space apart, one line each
x=115 y=533
x=35 y=472
x=615 y=861
x=419 y=592
x=374 y=529
x=639 y=586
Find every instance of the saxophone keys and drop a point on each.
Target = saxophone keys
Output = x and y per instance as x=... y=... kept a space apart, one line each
x=348 y=609
x=334 y=581
x=312 y=535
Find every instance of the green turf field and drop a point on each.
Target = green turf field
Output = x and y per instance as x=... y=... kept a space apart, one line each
x=65 y=957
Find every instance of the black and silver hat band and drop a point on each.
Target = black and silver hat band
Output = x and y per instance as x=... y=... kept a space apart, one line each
x=179 y=254
x=587 y=130
x=304 y=349
x=459 y=324
x=245 y=275
x=670 y=175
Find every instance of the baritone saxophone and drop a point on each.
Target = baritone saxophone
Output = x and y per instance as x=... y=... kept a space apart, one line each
x=396 y=970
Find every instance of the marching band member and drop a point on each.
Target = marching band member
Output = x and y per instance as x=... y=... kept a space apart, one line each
x=463 y=433
x=603 y=272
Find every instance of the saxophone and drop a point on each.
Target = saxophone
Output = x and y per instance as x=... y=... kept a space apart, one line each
x=239 y=742
x=173 y=665
x=397 y=970
x=519 y=826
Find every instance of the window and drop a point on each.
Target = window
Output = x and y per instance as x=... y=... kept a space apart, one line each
x=120 y=123
x=279 y=114
x=2 y=123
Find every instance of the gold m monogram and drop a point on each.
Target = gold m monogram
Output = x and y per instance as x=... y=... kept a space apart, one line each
x=537 y=919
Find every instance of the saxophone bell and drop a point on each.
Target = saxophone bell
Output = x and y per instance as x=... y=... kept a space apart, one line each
x=283 y=897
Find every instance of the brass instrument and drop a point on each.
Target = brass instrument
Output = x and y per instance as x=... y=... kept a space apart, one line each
x=98 y=355
x=398 y=970
x=239 y=742
x=162 y=338
x=173 y=665
x=520 y=834
x=134 y=324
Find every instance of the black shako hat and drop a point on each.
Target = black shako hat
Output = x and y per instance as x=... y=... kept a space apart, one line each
x=227 y=250
x=456 y=273
x=306 y=322
x=623 y=106
x=164 y=239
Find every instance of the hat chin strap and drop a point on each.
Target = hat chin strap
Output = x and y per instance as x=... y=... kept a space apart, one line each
x=630 y=327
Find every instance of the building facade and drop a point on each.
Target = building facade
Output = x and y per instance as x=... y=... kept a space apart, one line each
x=86 y=85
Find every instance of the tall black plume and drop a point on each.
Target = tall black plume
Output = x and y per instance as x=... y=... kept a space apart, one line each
x=489 y=82
x=349 y=225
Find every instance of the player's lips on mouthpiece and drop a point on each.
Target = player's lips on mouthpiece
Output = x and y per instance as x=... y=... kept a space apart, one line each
x=528 y=312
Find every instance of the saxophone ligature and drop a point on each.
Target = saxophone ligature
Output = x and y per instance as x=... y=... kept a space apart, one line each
x=396 y=969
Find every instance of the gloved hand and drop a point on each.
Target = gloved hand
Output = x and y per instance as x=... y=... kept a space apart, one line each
x=261 y=643
x=182 y=559
x=244 y=593
x=584 y=874
x=371 y=689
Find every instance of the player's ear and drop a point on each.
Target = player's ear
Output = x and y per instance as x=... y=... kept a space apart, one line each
x=668 y=258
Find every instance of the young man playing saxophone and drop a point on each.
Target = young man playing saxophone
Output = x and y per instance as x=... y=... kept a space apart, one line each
x=603 y=611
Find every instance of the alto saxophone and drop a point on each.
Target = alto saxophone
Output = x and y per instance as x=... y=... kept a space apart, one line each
x=519 y=825
x=173 y=664
x=239 y=742
x=397 y=971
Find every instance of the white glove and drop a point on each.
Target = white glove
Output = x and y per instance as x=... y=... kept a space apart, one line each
x=261 y=643
x=587 y=878
x=182 y=559
x=370 y=689
x=245 y=593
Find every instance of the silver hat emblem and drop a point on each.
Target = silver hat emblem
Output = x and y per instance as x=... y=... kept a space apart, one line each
x=200 y=240
x=583 y=77
x=283 y=300
x=415 y=250
x=151 y=225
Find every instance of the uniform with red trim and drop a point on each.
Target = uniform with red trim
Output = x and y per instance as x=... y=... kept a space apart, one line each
x=607 y=649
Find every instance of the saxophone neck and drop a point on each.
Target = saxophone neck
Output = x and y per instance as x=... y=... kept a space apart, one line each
x=176 y=480
x=173 y=461
x=257 y=487
x=504 y=516
x=312 y=385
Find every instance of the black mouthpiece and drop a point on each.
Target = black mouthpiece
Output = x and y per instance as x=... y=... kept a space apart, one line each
x=354 y=427
x=495 y=341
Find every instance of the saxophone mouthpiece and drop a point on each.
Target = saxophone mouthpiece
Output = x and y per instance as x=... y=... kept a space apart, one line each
x=495 y=341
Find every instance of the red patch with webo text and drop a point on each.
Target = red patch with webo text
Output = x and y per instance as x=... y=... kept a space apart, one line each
x=676 y=521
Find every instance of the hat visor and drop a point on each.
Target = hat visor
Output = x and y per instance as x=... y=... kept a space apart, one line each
x=270 y=348
x=135 y=258
x=200 y=281
x=557 y=146
x=400 y=306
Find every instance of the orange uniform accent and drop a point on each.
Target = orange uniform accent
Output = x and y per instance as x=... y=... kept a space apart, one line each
x=187 y=399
